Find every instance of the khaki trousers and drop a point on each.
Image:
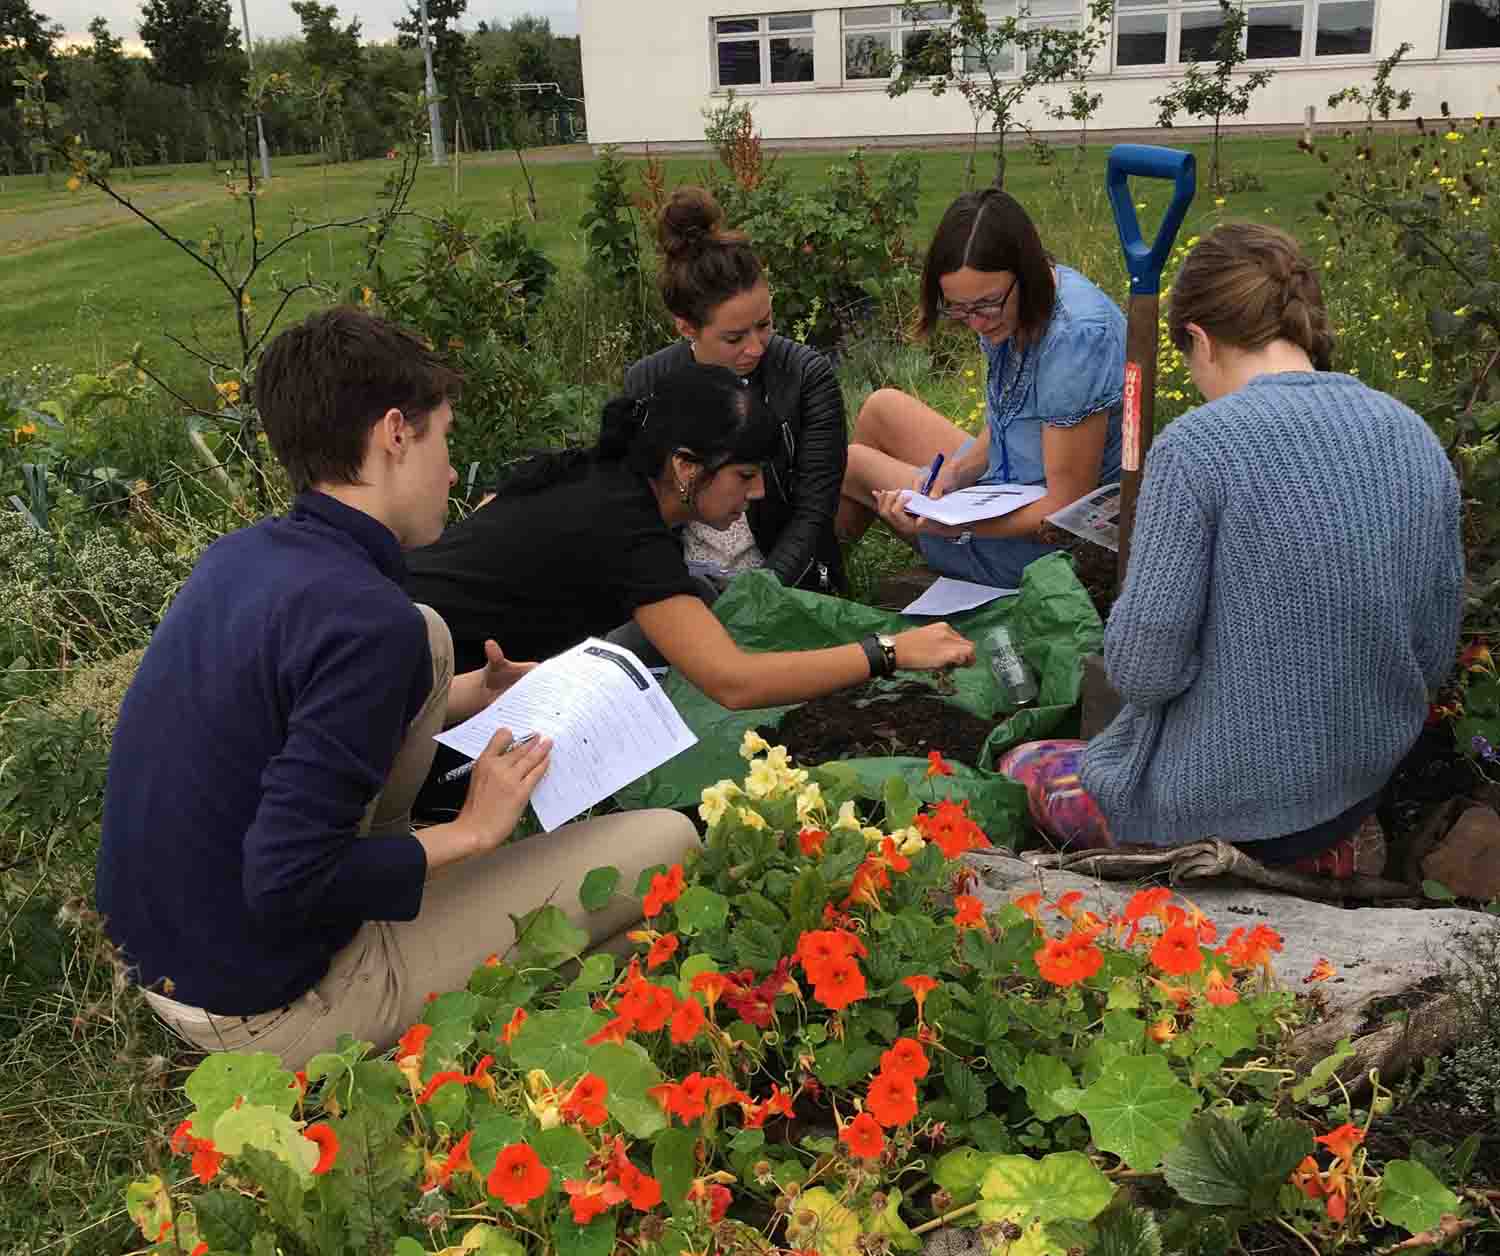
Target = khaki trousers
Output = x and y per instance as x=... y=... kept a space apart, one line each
x=376 y=986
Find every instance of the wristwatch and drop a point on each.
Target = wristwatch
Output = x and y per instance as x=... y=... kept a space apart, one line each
x=880 y=650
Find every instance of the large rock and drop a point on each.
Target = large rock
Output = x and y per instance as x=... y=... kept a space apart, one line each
x=1377 y=951
x=1467 y=861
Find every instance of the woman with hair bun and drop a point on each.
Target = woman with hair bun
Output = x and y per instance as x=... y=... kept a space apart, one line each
x=575 y=542
x=716 y=291
x=1293 y=598
x=1055 y=383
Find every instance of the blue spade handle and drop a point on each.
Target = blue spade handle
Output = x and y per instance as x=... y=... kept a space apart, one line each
x=1149 y=162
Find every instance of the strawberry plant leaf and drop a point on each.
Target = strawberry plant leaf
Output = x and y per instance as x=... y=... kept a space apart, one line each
x=1413 y=1198
x=1127 y=1232
x=1218 y=1166
x=1039 y=1075
x=1137 y=1110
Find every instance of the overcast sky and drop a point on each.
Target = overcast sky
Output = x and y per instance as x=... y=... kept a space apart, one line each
x=269 y=18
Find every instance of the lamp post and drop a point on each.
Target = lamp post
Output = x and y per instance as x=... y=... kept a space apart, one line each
x=260 y=130
x=434 y=115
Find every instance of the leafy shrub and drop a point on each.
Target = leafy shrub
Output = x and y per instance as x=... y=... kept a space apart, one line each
x=610 y=225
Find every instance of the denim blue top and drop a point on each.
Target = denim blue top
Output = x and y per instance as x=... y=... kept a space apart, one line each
x=1075 y=370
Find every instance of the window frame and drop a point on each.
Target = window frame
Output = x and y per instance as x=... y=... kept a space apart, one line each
x=1461 y=54
x=762 y=37
x=1307 y=58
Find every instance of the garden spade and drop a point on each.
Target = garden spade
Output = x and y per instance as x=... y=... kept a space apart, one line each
x=1144 y=264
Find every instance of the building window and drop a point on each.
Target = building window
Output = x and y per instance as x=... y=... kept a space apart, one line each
x=1472 y=26
x=763 y=51
x=877 y=38
x=1170 y=33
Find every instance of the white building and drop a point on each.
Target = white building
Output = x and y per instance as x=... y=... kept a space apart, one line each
x=814 y=76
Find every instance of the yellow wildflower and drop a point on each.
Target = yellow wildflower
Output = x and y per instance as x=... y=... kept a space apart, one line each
x=751 y=818
x=847 y=819
x=752 y=744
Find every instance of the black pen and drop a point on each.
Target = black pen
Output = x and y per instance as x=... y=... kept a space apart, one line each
x=458 y=773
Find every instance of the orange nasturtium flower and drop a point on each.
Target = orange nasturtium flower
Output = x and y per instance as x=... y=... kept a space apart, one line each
x=810 y=842
x=1067 y=961
x=206 y=1157
x=1343 y=1140
x=519 y=1176
x=892 y=1098
x=1252 y=950
x=413 y=1041
x=951 y=828
x=818 y=948
x=665 y=888
x=1321 y=971
x=641 y=1189
x=687 y=1021
x=661 y=951
x=863 y=1135
x=969 y=913
x=905 y=1056
x=589 y=1199
x=1163 y=1030
x=586 y=1101
x=711 y=986
x=840 y=984
x=1177 y=951
x=936 y=766
x=920 y=986
x=1031 y=905
x=328 y=1145
x=513 y=1026
x=1219 y=989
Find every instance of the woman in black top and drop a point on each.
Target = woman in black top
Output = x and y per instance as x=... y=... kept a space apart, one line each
x=576 y=542
x=716 y=291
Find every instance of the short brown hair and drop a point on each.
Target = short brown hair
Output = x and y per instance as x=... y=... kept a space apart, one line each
x=323 y=384
x=703 y=263
x=1247 y=284
x=989 y=231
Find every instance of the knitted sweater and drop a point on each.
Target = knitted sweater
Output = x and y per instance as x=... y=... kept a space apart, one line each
x=1294 y=595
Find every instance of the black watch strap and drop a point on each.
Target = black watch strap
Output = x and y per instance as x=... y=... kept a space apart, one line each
x=875 y=653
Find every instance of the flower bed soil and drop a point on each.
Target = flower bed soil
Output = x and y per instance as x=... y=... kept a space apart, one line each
x=868 y=722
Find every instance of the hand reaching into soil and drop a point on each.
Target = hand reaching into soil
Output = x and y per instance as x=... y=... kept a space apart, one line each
x=931 y=647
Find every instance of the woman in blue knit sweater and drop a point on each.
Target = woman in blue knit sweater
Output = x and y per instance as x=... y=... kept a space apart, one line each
x=1294 y=593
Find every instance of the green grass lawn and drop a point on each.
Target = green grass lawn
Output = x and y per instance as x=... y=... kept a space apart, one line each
x=81 y=280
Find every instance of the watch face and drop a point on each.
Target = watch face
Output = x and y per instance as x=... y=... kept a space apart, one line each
x=886 y=643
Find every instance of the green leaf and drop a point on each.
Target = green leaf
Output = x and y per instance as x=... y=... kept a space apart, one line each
x=1137 y=1110
x=1438 y=892
x=281 y=1189
x=821 y=1224
x=887 y=1224
x=629 y=1073
x=809 y=894
x=225 y=1077
x=1039 y=1075
x=1413 y=1198
x=757 y=945
x=1322 y=1072
x=1062 y=1186
x=643 y=882
x=1217 y=1166
x=596 y=972
x=257 y=1126
x=674 y=1164
x=959 y=1172
x=599 y=887
x=492 y=1136
x=595 y=1239
x=563 y=1150
x=545 y=937
x=1126 y=1232
x=700 y=909
x=554 y=1043
x=964 y=1087
x=408 y=1247
x=455 y=1005
x=226 y=1219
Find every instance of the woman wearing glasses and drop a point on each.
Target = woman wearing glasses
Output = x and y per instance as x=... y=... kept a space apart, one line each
x=1055 y=349
x=715 y=289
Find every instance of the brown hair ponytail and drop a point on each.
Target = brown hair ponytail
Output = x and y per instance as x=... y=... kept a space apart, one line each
x=1246 y=285
x=703 y=263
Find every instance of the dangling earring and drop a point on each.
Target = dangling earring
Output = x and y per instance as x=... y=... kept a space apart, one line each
x=685 y=494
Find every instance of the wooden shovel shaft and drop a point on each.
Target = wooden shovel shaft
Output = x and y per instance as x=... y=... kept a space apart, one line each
x=1141 y=328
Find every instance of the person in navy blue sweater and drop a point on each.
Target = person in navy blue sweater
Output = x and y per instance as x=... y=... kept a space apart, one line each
x=258 y=868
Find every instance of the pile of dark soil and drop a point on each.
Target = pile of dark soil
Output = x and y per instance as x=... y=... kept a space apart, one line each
x=872 y=722
x=1432 y=773
x=1097 y=568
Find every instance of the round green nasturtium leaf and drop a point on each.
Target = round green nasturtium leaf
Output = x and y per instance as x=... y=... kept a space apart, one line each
x=1062 y=1186
x=492 y=1136
x=255 y=1125
x=1413 y=1198
x=701 y=909
x=820 y=1223
x=599 y=887
x=554 y=1043
x=1137 y=1110
x=595 y=1239
x=629 y=1073
x=1039 y=1075
x=225 y=1077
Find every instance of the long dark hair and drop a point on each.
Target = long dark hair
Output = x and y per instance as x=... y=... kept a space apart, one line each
x=704 y=413
x=989 y=231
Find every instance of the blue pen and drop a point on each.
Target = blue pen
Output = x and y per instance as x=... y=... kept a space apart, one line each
x=937 y=465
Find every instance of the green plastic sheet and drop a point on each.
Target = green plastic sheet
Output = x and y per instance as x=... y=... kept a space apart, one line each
x=1052 y=621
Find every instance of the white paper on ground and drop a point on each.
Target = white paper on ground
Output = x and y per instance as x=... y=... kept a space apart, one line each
x=946 y=596
x=609 y=721
x=1095 y=517
x=974 y=505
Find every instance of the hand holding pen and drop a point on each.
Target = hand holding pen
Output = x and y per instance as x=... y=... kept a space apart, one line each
x=502 y=780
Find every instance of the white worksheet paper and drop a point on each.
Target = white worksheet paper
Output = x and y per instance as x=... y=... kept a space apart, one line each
x=974 y=505
x=1095 y=517
x=946 y=596
x=608 y=718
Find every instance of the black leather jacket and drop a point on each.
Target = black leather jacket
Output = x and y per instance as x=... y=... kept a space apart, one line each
x=793 y=523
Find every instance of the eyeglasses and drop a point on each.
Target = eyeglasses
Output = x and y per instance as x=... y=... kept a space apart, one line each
x=988 y=307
